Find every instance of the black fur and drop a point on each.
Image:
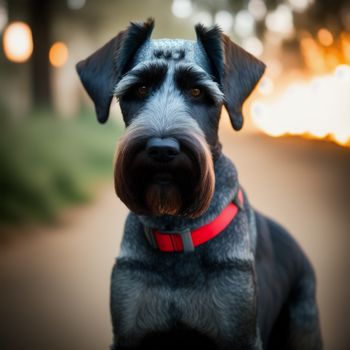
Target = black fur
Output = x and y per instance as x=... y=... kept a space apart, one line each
x=102 y=70
x=287 y=310
x=251 y=287
x=242 y=72
x=236 y=70
x=210 y=38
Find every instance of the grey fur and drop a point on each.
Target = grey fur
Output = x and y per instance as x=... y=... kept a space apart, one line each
x=165 y=114
x=131 y=78
x=193 y=51
x=251 y=287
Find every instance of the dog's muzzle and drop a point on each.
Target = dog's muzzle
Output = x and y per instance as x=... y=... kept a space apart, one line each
x=164 y=175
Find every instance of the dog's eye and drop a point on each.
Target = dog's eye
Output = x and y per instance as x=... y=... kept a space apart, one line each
x=142 y=90
x=196 y=92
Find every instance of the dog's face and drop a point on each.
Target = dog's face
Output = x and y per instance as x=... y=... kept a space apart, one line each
x=170 y=105
x=171 y=93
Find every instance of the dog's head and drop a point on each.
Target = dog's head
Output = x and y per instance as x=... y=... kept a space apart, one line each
x=171 y=93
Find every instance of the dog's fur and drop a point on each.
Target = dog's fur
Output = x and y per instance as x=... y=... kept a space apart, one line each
x=249 y=288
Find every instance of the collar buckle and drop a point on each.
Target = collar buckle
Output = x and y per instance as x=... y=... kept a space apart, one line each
x=185 y=235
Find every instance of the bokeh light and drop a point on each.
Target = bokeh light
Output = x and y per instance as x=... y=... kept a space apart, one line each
x=76 y=4
x=3 y=15
x=325 y=37
x=58 y=54
x=253 y=45
x=18 y=42
x=257 y=9
x=203 y=17
x=266 y=86
x=182 y=8
x=281 y=20
x=224 y=19
x=307 y=108
x=299 y=5
x=345 y=45
x=244 y=23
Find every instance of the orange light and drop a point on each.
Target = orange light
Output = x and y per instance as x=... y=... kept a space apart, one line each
x=325 y=37
x=58 y=54
x=316 y=109
x=312 y=54
x=18 y=42
x=345 y=43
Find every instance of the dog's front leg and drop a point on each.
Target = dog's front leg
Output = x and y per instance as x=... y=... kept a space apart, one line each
x=123 y=298
x=298 y=323
x=304 y=330
x=132 y=306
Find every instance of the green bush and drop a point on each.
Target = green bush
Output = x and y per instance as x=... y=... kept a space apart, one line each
x=47 y=163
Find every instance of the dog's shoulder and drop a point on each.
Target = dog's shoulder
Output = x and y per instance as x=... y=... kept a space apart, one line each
x=276 y=245
x=281 y=265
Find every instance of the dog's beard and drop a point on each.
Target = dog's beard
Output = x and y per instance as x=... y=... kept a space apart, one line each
x=163 y=199
x=183 y=186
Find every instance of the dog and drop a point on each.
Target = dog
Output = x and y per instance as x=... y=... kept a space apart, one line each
x=198 y=265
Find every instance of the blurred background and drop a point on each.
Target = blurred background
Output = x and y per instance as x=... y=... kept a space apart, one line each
x=60 y=221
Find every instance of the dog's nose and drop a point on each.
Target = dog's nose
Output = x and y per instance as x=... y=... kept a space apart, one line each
x=162 y=149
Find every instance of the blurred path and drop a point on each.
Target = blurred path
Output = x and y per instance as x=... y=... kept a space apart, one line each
x=54 y=282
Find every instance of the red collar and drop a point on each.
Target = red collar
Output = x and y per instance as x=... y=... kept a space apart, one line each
x=187 y=240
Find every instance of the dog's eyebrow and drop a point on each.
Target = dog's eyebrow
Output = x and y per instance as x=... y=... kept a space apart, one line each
x=149 y=73
x=188 y=76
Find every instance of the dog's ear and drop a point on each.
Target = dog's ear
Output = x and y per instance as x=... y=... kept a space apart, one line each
x=103 y=69
x=236 y=70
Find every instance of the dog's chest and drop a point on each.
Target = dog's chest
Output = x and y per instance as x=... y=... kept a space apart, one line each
x=209 y=299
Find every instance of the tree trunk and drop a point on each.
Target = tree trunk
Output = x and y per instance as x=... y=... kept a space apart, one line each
x=39 y=15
